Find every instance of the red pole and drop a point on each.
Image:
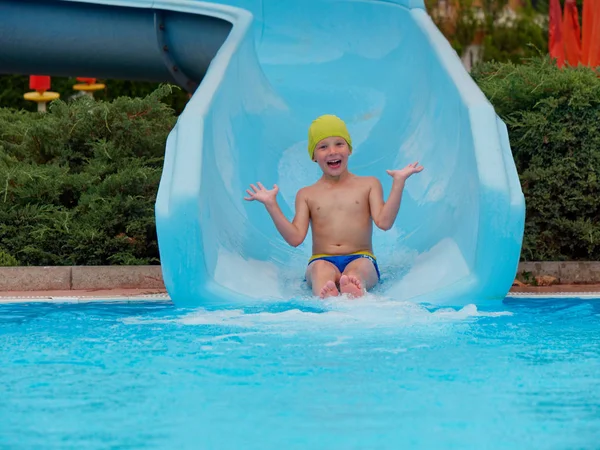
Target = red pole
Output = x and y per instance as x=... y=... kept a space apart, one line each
x=555 y=39
x=572 y=33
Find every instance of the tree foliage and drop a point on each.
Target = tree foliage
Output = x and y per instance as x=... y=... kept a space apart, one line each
x=504 y=34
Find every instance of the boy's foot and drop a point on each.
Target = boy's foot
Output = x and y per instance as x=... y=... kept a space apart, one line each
x=329 y=290
x=351 y=285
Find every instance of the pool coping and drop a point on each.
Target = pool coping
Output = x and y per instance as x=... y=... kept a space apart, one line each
x=160 y=295
x=83 y=284
x=550 y=294
x=85 y=296
x=75 y=278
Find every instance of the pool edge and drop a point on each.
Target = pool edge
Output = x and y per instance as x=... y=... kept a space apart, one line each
x=108 y=297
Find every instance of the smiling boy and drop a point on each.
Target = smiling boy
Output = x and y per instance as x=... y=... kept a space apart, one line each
x=341 y=208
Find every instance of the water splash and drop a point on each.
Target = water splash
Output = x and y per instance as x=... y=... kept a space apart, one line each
x=306 y=313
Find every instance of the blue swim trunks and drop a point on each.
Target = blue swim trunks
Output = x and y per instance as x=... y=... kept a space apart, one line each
x=341 y=261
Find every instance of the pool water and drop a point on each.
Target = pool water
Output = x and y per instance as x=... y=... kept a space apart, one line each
x=368 y=374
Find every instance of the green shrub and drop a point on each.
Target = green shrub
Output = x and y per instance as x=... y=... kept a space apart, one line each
x=78 y=184
x=553 y=117
x=8 y=260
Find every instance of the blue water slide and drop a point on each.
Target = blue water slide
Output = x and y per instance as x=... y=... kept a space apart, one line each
x=266 y=69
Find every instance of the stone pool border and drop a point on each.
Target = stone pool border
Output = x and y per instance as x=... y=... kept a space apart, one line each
x=81 y=284
x=59 y=278
x=566 y=272
x=150 y=277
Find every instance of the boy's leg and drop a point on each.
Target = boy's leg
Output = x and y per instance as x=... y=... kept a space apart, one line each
x=358 y=276
x=322 y=277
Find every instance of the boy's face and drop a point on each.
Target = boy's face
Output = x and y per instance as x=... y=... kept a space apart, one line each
x=332 y=155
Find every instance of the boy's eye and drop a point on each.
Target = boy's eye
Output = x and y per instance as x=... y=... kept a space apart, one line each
x=340 y=143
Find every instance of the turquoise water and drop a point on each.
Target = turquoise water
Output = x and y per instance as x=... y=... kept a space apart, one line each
x=369 y=374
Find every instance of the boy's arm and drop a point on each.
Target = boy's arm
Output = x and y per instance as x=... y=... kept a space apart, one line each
x=293 y=232
x=384 y=213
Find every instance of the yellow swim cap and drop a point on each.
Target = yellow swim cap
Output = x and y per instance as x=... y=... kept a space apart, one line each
x=324 y=127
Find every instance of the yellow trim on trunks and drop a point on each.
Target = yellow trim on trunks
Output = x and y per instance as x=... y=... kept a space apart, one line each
x=324 y=255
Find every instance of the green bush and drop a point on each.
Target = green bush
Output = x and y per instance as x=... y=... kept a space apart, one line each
x=553 y=117
x=78 y=184
x=8 y=260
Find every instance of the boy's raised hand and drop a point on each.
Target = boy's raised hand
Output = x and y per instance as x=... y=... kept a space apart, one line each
x=262 y=194
x=403 y=174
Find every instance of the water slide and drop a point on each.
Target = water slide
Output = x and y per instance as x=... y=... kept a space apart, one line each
x=261 y=71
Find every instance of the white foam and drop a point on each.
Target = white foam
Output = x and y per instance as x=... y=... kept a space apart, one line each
x=338 y=341
x=340 y=313
x=468 y=311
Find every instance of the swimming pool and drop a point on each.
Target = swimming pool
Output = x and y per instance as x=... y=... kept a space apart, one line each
x=367 y=374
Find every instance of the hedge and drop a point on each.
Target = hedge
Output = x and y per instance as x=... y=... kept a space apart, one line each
x=553 y=118
x=78 y=184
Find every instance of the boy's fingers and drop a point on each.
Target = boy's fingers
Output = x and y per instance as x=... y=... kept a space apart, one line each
x=260 y=185
x=249 y=193
x=254 y=188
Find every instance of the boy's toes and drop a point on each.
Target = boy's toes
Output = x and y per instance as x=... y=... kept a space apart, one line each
x=344 y=280
x=351 y=285
x=355 y=281
x=329 y=290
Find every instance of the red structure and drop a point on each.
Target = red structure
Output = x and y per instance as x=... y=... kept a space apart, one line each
x=39 y=83
x=88 y=85
x=570 y=43
x=86 y=80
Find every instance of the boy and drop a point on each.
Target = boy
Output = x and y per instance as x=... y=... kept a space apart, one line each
x=341 y=208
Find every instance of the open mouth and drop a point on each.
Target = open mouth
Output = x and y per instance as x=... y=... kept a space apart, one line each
x=335 y=164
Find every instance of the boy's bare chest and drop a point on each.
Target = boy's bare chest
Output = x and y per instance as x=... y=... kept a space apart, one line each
x=339 y=203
